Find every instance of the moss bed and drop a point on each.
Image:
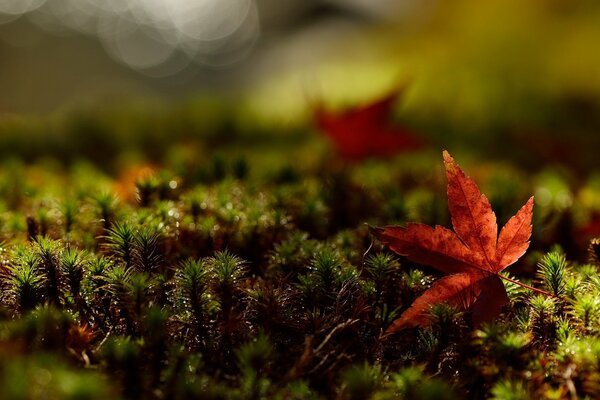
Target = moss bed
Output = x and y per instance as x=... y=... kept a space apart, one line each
x=230 y=268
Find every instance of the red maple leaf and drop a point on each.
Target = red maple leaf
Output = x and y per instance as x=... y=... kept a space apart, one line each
x=473 y=254
x=366 y=131
x=591 y=228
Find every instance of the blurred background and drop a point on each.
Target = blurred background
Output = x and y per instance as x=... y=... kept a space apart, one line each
x=478 y=75
x=58 y=52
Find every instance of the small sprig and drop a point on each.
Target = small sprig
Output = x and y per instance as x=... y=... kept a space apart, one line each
x=191 y=291
x=25 y=281
x=552 y=269
x=147 y=255
x=71 y=265
x=361 y=381
x=48 y=253
x=226 y=270
x=120 y=243
x=107 y=203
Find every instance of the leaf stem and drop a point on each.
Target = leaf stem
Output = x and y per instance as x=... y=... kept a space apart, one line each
x=540 y=291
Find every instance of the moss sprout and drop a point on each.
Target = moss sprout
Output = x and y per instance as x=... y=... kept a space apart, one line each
x=361 y=381
x=552 y=270
x=510 y=390
x=120 y=243
x=106 y=203
x=147 y=255
x=586 y=308
x=48 y=254
x=191 y=295
x=25 y=282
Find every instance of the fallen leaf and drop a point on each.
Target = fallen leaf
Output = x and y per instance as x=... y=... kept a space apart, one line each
x=366 y=131
x=473 y=254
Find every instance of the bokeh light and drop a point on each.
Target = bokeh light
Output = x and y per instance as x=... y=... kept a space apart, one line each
x=157 y=37
x=18 y=7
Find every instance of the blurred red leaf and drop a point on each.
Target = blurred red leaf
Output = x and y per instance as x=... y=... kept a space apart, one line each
x=367 y=131
x=473 y=254
x=591 y=228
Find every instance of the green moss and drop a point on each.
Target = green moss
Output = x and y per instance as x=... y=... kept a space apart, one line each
x=239 y=275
